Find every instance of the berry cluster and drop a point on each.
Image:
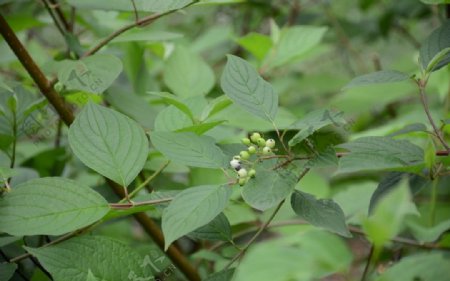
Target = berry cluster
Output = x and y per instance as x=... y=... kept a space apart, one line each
x=255 y=145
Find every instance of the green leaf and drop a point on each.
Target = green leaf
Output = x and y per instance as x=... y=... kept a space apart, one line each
x=202 y=128
x=125 y=5
x=242 y=84
x=324 y=158
x=175 y=101
x=50 y=206
x=217 y=229
x=427 y=234
x=258 y=264
x=171 y=119
x=257 y=44
x=415 y=127
x=6 y=240
x=193 y=208
x=294 y=42
x=223 y=275
x=105 y=258
x=380 y=153
x=379 y=77
x=268 y=188
x=434 y=45
x=189 y=149
x=314 y=121
x=93 y=74
x=215 y=106
x=324 y=213
x=432 y=266
x=187 y=74
x=90 y=276
x=388 y=216
x=109 y=142
x=7 y=270
x=391 y=181
x=435 y=2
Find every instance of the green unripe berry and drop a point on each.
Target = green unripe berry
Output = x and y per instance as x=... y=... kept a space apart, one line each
x=270 y=143
x=252 y=173
x=237 y=157
x=246 y=141
x=252 y=149
x=242 y=181
x=261 y=142
x=267 y=150
x=242 y=173
x=244 y=155
x=255 y=136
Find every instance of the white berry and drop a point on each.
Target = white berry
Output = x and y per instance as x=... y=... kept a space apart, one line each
x=242 y=173
x=236 y=164
x=270 y=143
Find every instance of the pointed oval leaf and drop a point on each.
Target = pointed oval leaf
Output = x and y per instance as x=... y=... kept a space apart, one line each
x=431 y=266
x=378 y=153
x=93 y=74
x=50 y=206
x=323 y=213
x=223 y=275
x=7 y=271
x=379 y=77
x=109 y=142
x=242 y=83
x=187 y=74
x=189 y=149
x=268 y=188
x=217 y=229
x=105 y=258
x=437 y=42
x=193 y=208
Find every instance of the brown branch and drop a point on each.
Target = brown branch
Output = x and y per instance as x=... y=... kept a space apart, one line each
x=66 y=114
x=155 y=233
x=35 y=72
x=55 y=20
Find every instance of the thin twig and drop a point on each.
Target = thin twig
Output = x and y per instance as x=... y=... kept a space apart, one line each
x=368 y=263
x=61 y=16
x=149 y=179
x=55 y=20
x=129 y=205
x=250 y=242
x=424 y=101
